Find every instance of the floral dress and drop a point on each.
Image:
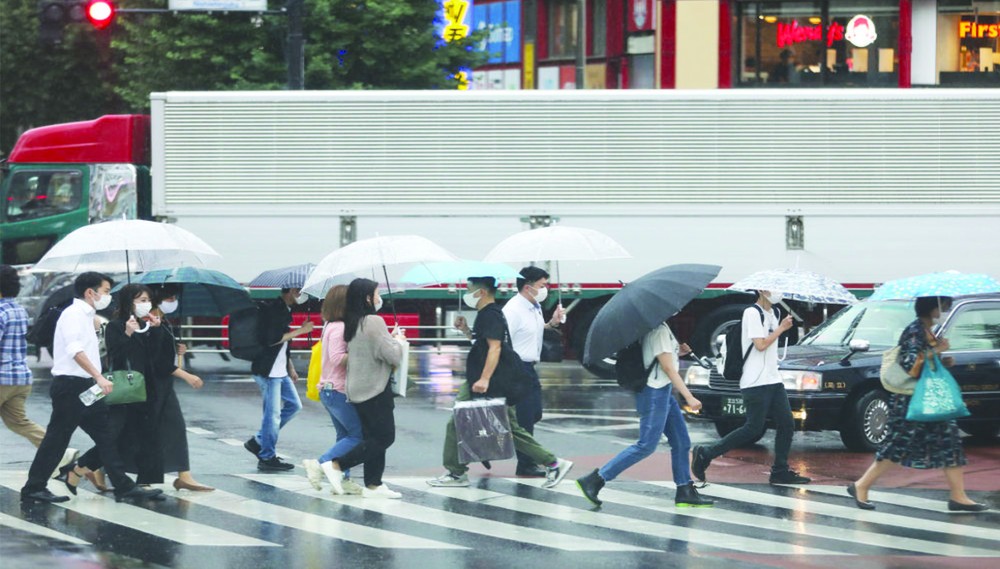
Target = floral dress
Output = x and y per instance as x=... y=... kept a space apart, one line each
x=918 y=444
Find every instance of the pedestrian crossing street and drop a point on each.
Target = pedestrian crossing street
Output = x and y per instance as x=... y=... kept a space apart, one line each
x=269 y=511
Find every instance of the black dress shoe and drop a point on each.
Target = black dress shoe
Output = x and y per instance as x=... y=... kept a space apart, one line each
x=852 y=490
x=699 y=462
x=252 y=446
x=138 y=493
x=590 y=485
x=954 y=506
x=688 y=497
x=487 y=464
x=274 y=464
x=43 y=495
x=530 y=472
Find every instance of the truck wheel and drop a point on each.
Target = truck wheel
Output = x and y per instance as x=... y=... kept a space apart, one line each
x=581 y=326
x=713 y=325
x=980 y=429
x=726 y=427
x=867 y=423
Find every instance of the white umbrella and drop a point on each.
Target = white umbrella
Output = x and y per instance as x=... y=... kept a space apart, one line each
x=370 y=255
x=127 y=246
x=805 y=286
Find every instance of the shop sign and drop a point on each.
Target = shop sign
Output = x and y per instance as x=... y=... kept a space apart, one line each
x=974 y=30
x=793 y=33
x=502 y=23
x=454 y=13
x=640 y=15
x=861 y=31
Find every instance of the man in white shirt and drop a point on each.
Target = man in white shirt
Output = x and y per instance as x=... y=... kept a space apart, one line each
x=76 y=368
x=527 y=330
x=763 y=393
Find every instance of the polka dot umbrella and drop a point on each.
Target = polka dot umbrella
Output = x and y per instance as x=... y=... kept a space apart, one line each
x=950 y=283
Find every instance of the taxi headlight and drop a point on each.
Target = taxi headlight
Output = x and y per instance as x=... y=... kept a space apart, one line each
x=802 y=380
x=696 y=375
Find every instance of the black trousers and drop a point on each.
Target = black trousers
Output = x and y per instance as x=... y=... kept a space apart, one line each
x=68 y=413
x=378 y=427
x=762 y=402
x=137 y=420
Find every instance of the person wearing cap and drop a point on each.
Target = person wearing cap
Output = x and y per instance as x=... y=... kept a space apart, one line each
x=527 y=330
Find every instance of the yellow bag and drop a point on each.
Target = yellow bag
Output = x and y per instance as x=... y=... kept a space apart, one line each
x=315 y=370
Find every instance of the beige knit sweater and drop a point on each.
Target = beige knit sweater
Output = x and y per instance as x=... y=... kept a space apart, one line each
x=372 y=354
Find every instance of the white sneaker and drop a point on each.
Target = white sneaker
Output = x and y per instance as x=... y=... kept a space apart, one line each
x=313 y=472
x=449 y=480
x=555 y=474
x=334 y=476
x=69 y=456
x=382 y=491
x=351 y=487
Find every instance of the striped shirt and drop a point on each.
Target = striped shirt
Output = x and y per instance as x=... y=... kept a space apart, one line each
x=13 y=347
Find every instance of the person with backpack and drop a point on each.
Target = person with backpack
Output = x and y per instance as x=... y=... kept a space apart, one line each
x=659 y=413
x=276 y=376
x=756 y=363
x=527 y=329
x=76 y=367
x=483 y=363
x=333 y=395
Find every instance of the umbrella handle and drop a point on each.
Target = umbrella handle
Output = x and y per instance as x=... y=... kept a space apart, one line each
x=784 y=352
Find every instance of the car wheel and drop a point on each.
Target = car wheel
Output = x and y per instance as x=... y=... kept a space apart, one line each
x=726 y=427
x=980 y=429
x=581 y=326
x=712 y=325
x=867 y=423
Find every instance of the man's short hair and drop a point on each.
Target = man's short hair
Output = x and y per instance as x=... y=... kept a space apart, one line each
x=489 y=284
x=530 y=275
x=926 y=304
x=89 y=280
x=10 y=282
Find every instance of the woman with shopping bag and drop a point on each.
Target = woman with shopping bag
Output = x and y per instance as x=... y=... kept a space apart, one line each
x=930 y=440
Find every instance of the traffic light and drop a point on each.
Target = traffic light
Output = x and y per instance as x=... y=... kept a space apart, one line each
x=56 y=14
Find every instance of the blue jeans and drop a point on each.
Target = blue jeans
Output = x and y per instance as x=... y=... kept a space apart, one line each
x=659 y=413
x=529 y=412
x=281 y=403
x=345 y=421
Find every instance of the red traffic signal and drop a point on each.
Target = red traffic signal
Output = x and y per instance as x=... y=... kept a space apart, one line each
x=100 y=13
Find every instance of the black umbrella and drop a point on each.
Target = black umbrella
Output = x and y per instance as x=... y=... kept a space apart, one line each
x=643 y=305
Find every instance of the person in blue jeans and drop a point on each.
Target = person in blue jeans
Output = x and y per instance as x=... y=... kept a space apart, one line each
x=276 y=376
x=659 y=413
x=333 y=396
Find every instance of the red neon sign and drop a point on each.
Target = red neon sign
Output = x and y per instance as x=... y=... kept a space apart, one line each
x=793 y=33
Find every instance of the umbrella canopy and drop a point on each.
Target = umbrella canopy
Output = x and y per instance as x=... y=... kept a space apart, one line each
x=375 y=256
x=203 y=292
x=127 y=246
x=556 y=243
x=799 y=285
x=643 y=305
x=285 y=277
x=950 y=283
x=457 y=271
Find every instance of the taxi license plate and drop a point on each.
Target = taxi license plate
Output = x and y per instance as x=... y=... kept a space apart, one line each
x=733 y=406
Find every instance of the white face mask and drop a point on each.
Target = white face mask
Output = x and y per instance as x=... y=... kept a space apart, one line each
x=378 y=304
x=471 y=300
x=168 y=306
x=541 y=294
x=775 y=297
x=142 y=309
x=302 y=298
x=102 y=302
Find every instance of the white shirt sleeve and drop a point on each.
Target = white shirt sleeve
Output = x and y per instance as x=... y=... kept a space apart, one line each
x=752 y=325
x=513 y=316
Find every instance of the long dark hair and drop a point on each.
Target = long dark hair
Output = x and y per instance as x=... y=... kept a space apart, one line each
x=126 y=299
x=358 y=305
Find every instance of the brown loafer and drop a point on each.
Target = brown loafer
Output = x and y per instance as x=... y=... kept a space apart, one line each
x=181 y=485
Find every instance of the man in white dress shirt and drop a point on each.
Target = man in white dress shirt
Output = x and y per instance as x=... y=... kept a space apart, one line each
x=76 y=367
x=527 y=329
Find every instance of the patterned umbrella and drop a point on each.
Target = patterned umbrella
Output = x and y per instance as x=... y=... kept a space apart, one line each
x=799 y=285
x=950 y=283
x=285 y=277
x=203 y=292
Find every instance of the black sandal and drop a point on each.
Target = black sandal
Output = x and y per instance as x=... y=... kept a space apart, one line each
x=64 y=475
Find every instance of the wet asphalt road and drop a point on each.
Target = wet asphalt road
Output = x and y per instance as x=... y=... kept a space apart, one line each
x=278 y=520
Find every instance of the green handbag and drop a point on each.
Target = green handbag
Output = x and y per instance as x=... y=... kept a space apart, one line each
x=130 y=386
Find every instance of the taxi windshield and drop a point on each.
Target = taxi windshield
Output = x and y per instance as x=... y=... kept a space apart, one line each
x=880 y=323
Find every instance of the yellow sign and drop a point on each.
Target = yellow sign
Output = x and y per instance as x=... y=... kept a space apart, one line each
x=529 y=65
x=455 y=12
x=974 y=30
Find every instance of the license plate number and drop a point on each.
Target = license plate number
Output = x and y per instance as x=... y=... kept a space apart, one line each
x=733 y=406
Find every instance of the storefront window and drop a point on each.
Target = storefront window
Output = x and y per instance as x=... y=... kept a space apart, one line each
x=969 y=42
x=818 y=43
x=599 y=26
x=562 y=28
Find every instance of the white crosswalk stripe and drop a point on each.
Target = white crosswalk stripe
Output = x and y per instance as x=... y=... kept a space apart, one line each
x=19 y=524
x=882 y=497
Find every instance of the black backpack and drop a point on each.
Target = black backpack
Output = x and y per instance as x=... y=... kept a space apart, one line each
x=244 y=338
x=630 y=370
x=732 y=367
x=43 y=331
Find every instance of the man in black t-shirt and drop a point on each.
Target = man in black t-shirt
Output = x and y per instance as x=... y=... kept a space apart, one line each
x=488 y=335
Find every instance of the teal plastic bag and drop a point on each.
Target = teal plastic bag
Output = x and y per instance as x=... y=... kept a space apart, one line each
x=937 y=396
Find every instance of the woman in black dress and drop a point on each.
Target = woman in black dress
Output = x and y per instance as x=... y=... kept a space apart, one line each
x=921 y=445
